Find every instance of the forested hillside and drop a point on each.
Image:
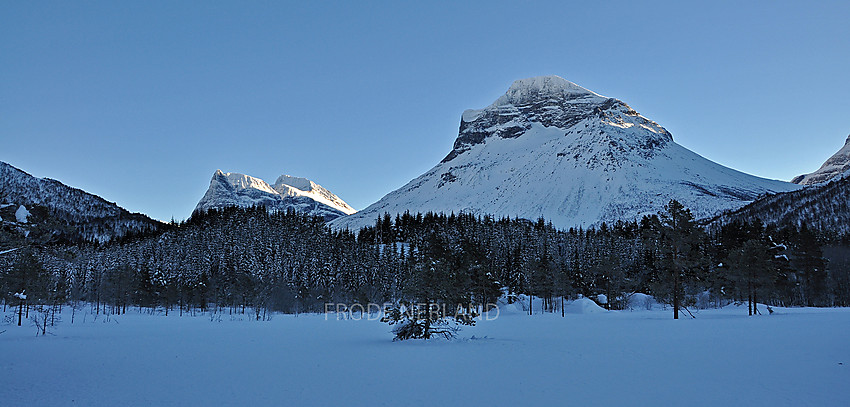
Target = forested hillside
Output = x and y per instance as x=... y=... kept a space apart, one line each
x=71 y=213
x=823 y=208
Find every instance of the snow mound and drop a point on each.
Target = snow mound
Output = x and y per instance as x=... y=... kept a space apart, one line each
x=641 y=301
x=583 y=306
x=22 y=214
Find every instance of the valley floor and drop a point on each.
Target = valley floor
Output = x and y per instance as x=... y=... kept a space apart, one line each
x=794 y=357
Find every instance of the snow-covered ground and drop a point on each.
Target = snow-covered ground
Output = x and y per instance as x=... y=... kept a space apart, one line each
x=794 y=357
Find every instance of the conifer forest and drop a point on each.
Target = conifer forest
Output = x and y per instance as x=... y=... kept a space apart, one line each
x=238 y=259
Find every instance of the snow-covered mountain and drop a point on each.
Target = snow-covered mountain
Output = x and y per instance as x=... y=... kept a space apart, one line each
x=551 y=148
x=74 y=213
x=300 y=194
x=834 y=167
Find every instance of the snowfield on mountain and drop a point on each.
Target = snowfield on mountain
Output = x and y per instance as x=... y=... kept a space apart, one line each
x=793 y=357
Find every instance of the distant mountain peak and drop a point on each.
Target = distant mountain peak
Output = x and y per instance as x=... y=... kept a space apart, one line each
x=241 y=181
x=234 y=189
x=303 y=184
x=834 y=167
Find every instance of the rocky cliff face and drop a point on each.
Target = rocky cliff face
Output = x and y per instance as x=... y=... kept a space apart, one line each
x=833 y=168
x=551 y=148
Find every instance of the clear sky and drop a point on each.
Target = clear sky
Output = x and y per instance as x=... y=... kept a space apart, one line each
x=140 y=102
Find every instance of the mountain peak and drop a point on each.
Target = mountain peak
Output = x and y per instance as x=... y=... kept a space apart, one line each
x=303 y=184
x=604 y=129
x=540 y=88
x=242 y=181
x=288 y=192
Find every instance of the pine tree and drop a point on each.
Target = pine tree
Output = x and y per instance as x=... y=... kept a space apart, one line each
x=681 y=254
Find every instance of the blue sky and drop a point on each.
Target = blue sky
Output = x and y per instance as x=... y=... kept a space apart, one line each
x=140 y=102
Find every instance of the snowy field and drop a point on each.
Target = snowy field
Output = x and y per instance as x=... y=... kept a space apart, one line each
x=795 y=357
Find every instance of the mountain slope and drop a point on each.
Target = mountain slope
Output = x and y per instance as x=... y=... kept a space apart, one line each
x=551 y=148
x=836 y=165
x=85 y=216
x=299 y=194
x=822 y=207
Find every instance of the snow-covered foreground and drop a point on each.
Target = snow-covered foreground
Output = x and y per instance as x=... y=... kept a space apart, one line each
x=794 y=357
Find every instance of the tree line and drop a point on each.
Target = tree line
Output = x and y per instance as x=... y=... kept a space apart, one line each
x=251 y=260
